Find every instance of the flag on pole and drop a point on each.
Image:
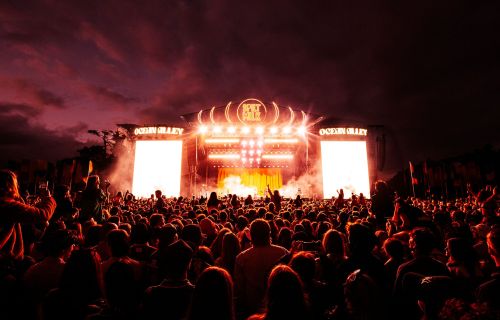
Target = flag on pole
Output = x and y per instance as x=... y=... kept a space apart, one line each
x=414 y=180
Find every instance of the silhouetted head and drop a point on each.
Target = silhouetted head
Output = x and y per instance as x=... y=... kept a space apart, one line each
x=285 y=297
x=260 y=232
x=213 y=296
x=9 y=187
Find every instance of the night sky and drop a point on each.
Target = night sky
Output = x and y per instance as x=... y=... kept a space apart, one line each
x=427 y=70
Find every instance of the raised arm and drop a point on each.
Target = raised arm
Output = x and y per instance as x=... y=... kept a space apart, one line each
x=16 y=211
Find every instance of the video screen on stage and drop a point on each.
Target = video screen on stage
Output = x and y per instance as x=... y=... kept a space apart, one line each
x=157 y=166
x=345 y=166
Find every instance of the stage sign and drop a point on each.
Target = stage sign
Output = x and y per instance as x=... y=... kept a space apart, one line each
x=251 y=111
x=158 y=130
x=343 y=131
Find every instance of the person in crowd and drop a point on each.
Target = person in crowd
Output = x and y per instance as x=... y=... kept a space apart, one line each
x=118 y=242
x=488 y=291
x=80 y=291
x=230 y=250
x=216 y=246
x=363 y=299
x=122 y=293
x=65 y=210
x=248 y=200
x=331 y=263
x=395 y=252
x=175 y=291
x=304 y=264
x=422 y=242
x=382 y=202
x=213 y=296
x=275 y=198
x=140 y=249
x=212 y=202
x=361 y=243
x=464 y=266
x=253 y=266
x=160 y=203
x=285 y=297
x=92 y=200
x=15 y=212
x=235 y=202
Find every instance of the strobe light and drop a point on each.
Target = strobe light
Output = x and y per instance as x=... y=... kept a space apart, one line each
x=202 y=129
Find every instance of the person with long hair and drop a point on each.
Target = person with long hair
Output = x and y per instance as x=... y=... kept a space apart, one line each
x=14 y=212
x=212 y=202
x=230 y=249
x=213 y=296
x=285 y=298
x=92 y=198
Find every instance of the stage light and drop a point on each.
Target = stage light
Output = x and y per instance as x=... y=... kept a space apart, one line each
x=157 y=166
x=251 y=143
x=274 y=130
x=301 y=130
x=202 y=129
x=251 y=152
x=243 y=151
x=222 y=140
x=217 y=129
x=224 y=156
x=259 y=152
x=243 y=160
x=259 y=130
x=287 y=130
x=231 y=130
x=244 y=143
x=260 y=143
x=245 y=130
x=345 y=166
x=279 y=141
x=277 y=156
x=251 y=160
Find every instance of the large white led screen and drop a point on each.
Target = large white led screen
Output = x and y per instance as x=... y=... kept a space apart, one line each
x=157 y=166
x=345 y=166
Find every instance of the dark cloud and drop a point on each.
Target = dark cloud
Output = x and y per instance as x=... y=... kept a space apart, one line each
x=21 y=139
x=427 y=71
x=111 y=96
x=9 y=109
x=25 y=89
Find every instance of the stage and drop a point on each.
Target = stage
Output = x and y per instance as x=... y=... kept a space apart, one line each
x=242 y=148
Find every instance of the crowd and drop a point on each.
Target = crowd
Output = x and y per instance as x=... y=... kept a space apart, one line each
x=95 y=255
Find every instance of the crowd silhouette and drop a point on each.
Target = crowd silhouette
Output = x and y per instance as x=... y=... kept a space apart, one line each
x=96 y=255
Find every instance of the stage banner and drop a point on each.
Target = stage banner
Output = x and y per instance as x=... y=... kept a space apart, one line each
x=244 y=181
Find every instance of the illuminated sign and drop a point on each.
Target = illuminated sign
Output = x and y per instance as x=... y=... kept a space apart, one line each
x=158 y=130
x=251 y=111
x=343 y=131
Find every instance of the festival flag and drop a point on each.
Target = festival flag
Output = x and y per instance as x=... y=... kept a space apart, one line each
x=414 y=180
x=82 y=170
